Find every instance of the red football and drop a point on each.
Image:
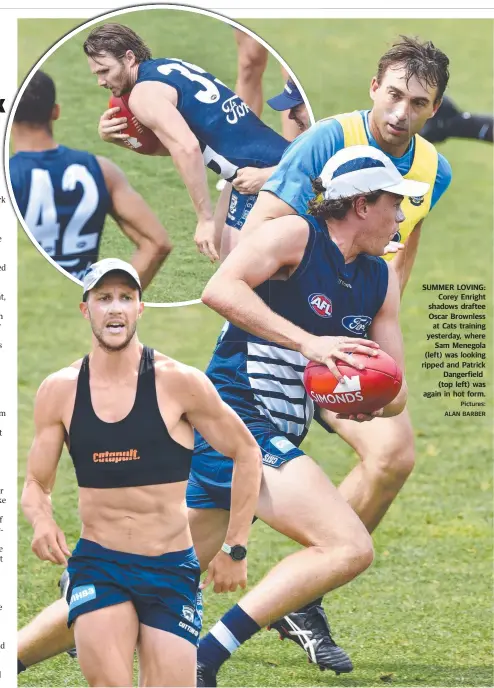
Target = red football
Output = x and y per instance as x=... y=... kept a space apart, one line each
x=141 y=139
x=362 y=391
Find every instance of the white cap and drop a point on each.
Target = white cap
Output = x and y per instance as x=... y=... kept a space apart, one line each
x=102 y=268
x=363 y=169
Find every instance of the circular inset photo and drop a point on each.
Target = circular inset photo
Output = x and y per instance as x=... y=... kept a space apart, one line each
x=135 y=137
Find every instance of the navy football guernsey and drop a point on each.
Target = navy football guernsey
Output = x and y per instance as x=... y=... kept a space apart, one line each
x=62 y=196
x=230 y=135
x=324 y=297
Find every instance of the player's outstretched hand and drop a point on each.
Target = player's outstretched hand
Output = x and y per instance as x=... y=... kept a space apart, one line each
x=393 y=247
x=328 y=350
x=204 y=238
x=110 y=127
x=249 y=180
x=225 y=574
x=48 y=542
x=361 y=417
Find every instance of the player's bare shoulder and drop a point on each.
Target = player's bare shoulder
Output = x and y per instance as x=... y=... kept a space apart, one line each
x=58 y=389
x=288 y=234
x=183 y=382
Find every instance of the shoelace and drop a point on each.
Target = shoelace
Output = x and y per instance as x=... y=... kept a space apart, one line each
x=316 y=614
x=305 y=638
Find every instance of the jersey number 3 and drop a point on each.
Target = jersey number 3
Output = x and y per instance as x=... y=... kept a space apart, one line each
x=208 y=96
x=41 y=213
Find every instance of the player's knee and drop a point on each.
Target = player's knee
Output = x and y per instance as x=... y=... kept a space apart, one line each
x=354 y=548
x=251 y=64
x=394 y=463
x=357 y=553
x=361 y=549
x=392 y=460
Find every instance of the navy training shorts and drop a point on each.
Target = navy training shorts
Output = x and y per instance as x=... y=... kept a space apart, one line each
x=210 y=478
x=164 y=589
x=239 y=208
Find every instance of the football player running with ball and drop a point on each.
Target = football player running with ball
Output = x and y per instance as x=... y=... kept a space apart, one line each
x=198 y=120
x=265 y=289
x=406 y=92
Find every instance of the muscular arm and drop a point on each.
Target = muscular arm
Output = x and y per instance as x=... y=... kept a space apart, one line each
x=278 y=244
x=274 y=249
x=151 y=104
x=224 y=431
x=404 y=260
x=137 y=221
x=44 y=455
x=386 y=331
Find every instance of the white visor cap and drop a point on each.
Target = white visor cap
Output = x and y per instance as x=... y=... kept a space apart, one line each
x=363 y=169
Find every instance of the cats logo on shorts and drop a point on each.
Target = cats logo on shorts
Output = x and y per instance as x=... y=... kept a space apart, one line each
x=321 y=305
x=188 y=613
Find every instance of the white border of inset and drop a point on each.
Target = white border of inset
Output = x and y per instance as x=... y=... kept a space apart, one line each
x=85 y=25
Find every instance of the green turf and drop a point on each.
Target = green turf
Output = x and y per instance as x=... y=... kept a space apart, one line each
x=422 y=615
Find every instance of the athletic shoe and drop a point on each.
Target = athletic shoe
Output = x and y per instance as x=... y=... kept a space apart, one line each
x=309 y=628
x=206 y=676
x=63 y=584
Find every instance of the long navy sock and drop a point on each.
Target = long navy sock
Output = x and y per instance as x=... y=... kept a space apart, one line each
x=233 y=629
x=20 y=667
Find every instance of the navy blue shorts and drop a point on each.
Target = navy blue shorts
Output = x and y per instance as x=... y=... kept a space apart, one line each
x=238 y=209
x=164 y=589
x=210 y=478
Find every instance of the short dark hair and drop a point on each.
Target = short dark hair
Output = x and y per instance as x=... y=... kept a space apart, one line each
x=335 y=208
x=115 y=39
x=422 y=60
x=38 y=100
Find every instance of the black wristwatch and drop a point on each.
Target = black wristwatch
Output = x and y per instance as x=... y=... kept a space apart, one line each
x=237 y=552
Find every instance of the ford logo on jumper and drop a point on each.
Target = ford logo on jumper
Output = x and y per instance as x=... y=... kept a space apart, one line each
x=357 y=324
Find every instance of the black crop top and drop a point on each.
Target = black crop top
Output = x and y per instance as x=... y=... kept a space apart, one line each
x=136 y=450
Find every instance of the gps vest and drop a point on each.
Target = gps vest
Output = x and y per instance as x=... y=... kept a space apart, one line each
x=423 y=169
x=136 y=450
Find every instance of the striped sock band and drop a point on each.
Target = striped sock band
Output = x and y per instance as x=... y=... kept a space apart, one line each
x=234 y=628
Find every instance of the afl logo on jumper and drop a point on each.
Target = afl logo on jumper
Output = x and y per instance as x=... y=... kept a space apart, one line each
x=356 y=324
x=416 y=200
x=321 y=305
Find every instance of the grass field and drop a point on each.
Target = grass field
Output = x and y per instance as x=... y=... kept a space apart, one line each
x=422 y=615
